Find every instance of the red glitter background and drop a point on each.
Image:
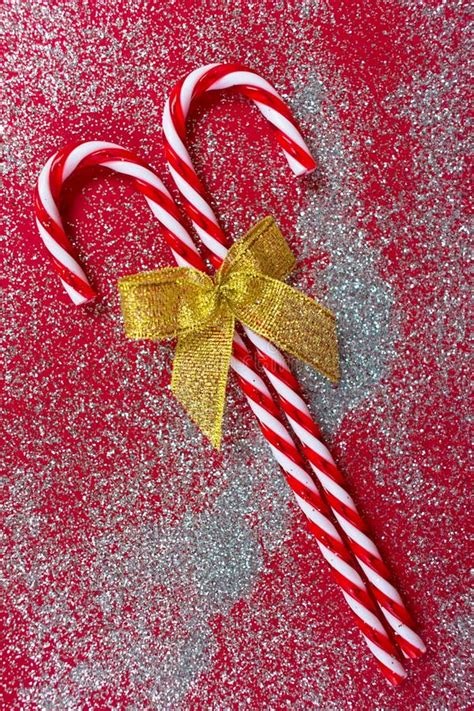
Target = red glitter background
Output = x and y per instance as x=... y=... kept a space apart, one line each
x=71 y=409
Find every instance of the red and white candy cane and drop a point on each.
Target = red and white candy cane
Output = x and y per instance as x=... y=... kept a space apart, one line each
x=77 y=156
x=216 y=77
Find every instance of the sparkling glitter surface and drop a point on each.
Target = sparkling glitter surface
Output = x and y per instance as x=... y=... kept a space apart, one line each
x=143 y=570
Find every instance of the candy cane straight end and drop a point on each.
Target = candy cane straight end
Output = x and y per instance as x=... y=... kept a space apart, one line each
x=395 y=679
x=76 y=298
x=416 y=652
x=300 y=169
x=305 y=171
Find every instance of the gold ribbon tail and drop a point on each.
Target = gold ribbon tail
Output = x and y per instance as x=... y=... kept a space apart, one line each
x=200 y=372
x=288 y=318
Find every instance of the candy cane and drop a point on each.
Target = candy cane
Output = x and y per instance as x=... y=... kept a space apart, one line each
x=234 y=76
x=50 y=182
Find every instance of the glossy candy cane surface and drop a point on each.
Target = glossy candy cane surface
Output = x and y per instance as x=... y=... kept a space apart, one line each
x=217 y=77
x=109 y=155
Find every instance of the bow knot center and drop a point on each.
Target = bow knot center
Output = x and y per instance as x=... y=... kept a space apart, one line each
x=240 y=289
x=202 y=300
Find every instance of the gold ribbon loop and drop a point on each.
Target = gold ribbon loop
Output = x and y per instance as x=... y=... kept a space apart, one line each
x=201 y=312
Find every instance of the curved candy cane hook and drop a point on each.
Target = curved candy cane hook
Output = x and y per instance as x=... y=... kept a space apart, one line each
x=109 y=155
x=215 y=77
x=224 y=76
x=56 y=171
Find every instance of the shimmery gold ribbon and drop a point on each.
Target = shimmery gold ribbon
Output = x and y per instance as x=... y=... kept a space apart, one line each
x=201 y=312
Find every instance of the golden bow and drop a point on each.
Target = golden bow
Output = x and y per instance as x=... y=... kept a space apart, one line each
x=201 y=312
